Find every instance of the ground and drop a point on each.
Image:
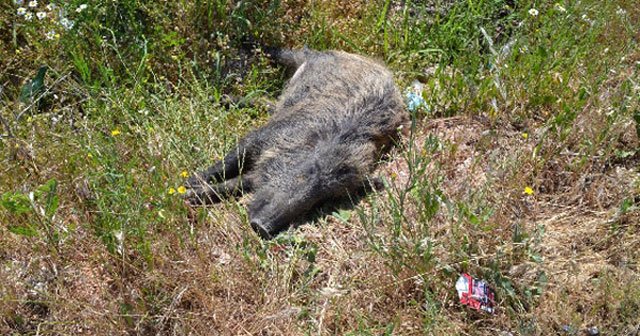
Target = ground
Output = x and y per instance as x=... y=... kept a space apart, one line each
x=520 y=168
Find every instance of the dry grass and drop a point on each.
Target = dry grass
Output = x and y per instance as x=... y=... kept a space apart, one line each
x=327 y=279
x=120 y=256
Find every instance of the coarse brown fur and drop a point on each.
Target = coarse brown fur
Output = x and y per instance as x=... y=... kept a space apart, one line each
x=338 y=113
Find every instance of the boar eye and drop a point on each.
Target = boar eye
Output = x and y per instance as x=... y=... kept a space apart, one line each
x=343 y=171
x=310 y=170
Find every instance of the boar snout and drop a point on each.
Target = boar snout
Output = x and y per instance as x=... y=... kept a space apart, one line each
x=268 y=219
x=273 y=212
x=258 y=227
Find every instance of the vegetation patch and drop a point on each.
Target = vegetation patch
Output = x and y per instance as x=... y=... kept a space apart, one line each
x=521 y=168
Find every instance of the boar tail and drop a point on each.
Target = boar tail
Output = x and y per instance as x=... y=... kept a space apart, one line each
x=291 y=59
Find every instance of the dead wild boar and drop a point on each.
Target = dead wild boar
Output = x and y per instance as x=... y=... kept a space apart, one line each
x=337 y=114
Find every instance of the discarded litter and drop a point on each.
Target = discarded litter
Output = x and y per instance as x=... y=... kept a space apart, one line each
x=475 y=293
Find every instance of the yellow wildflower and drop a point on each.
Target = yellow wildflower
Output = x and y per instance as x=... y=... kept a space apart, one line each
x=525 y=136
x=528 y=190
x=182 y=190
x=89 y=155
x=171 y=191
x=115 y=132
x=184 y=174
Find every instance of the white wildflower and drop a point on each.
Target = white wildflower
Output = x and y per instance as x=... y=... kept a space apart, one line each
x=41 y=15
x=66 y=23
x=81 y=8
x=533 y=12
x=50 y=35
x=119 y=235
x=22 y=11
x=51 y=6
x=28 y=16
x=33 y=3
x=587 y=19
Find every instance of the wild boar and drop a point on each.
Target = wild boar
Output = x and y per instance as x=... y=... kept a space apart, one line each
x=337 y=115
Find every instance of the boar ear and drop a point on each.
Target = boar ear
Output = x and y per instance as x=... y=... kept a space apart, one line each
x=356 y=154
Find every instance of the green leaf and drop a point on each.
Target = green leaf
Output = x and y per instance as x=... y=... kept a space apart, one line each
x=342 y=215
x=536 y=258
x=15 y=203
x=34 y=87
x=383 y=15
x=46 y=187
x=26 y=231
x=542 y=52
x=311 y=254
x=626 y=205
x=623 y=154
x=389 y=329
x=49 y=191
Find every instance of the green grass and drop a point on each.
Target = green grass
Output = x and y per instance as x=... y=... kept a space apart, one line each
x=94 y=237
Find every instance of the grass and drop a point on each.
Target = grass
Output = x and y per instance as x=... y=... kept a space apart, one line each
x=94 y=238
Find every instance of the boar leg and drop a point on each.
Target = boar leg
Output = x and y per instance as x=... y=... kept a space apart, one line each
x=224 y=169
x=208 y=194
x=239 y=160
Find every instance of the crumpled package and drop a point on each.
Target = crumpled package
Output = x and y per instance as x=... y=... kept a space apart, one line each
x=475 y=293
